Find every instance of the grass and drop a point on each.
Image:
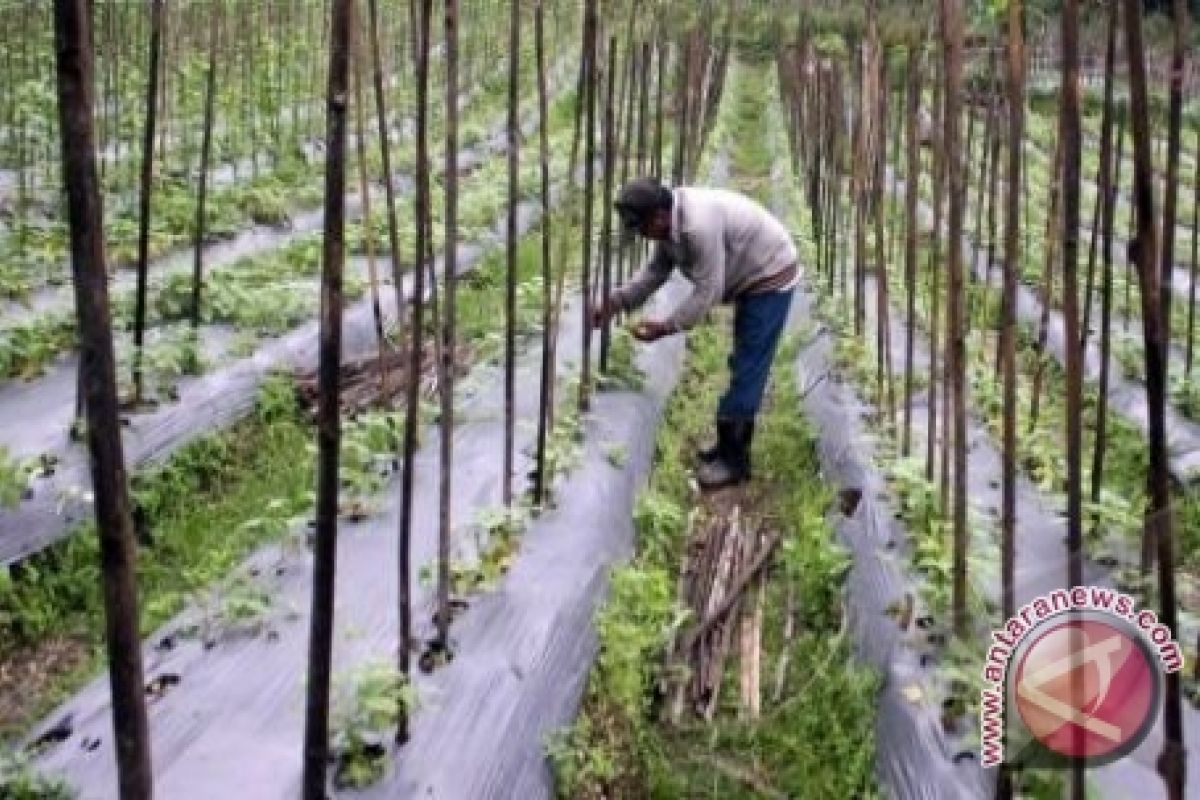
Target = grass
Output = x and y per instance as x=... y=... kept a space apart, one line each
x=219 y=498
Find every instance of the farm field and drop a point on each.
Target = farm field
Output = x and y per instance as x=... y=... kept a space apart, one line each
x=337 y=458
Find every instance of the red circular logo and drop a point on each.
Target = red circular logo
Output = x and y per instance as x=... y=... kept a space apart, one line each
x=1087 y=687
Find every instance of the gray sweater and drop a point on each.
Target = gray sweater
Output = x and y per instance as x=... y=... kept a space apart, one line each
x=723 y=242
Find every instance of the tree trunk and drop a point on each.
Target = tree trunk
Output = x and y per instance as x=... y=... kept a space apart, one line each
x=320 y=652
x=114 y=523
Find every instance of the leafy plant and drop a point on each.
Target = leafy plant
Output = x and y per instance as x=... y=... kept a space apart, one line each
x=367 y=707
x=14 y=479
x=19 y=781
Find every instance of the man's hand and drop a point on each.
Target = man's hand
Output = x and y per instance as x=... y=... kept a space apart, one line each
x=650 y=330
x=605 y=310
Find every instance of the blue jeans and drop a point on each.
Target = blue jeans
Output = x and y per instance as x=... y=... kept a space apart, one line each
x=758 y=321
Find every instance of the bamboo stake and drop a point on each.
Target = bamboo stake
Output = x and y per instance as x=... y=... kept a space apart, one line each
x=510 y=298
x=606 y=232
x=368 y=221
x=210 y=91
x=590 y=43
x=404 y=644
x=74 y=62
x=547 y=372
x=320 y=655
x=952 y=21
x=912 y=178
x=448 y=333
x=1158 y=513
x=1191 y=318
x=1107 y=208
x=147 y=178
x=1171 y=190
x=1008 y=359
x=1071 y=136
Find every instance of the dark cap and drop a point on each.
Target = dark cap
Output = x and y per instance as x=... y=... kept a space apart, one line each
x=639 y=199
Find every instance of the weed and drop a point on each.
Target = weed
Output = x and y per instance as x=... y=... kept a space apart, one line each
x=19 y=781
x=367 y=706
x=617 y=454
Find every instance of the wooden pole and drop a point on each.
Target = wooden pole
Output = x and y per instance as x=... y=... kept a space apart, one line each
x=320 y=652
x=510 y=304
x=114 y=524
x=1158 y=529
x=210 y=91
x=590 y=36
x=416 y=350
x=449 y=342
x=385 y=150
x=912 y=177
x=952 y=21
x=1008 y=333
x=606 y=238
x=1072 y=156
x=368 y=219
x=1107 y=208
x=1171 y=189
x=547 y=373
x=139 y=324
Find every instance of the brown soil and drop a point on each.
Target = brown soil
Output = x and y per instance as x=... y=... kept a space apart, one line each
x=30 y=677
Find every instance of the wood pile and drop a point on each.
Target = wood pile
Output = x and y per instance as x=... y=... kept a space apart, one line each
x=376 y=381
x=721 y=582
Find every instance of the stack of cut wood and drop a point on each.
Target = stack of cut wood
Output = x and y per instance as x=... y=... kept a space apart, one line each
x=377 y=380
x=722 y=583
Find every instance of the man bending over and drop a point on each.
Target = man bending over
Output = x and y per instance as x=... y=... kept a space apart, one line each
x=733 y=251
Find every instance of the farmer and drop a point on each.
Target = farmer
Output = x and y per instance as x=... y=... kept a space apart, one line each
x=732 y=250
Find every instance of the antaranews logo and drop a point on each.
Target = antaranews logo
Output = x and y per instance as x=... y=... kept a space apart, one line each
x=1083 y=671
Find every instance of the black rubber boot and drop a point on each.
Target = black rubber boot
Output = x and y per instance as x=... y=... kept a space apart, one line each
x=709 y=454
x=731 y=466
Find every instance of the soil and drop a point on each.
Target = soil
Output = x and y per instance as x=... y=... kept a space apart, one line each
x=29 y=676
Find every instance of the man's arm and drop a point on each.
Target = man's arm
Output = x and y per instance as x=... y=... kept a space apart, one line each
x=646 y=281
x=708 y=279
